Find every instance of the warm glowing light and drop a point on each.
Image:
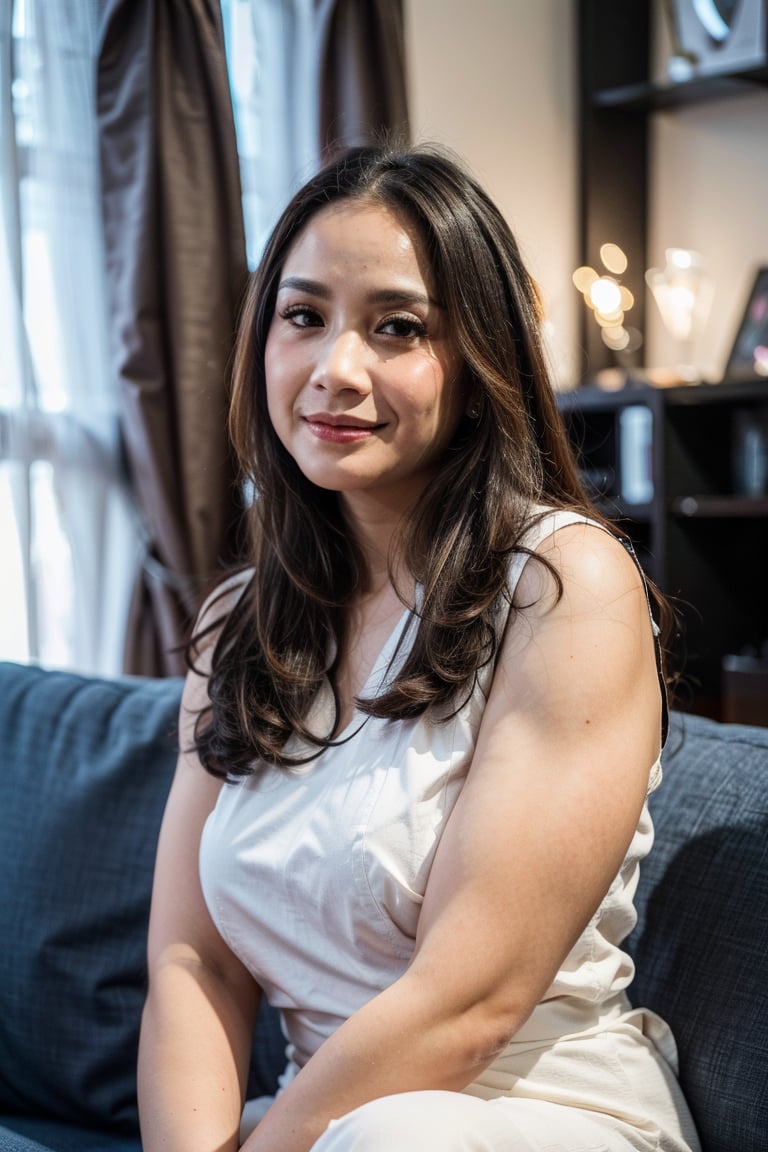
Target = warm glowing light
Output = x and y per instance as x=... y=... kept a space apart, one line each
x=611 y=320
x=627 y=299
x=605 y=296
x=676 y=303
x=617 y=339
x=683 y=292
x=609 y=300
x=613 y=258
x=680 y=257
x=635 y=339
x=761 y=360
x=584 y=278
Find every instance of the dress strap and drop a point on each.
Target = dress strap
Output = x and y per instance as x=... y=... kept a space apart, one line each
x=628 y=546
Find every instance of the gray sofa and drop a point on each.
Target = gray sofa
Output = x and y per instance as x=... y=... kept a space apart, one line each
x=85 y=767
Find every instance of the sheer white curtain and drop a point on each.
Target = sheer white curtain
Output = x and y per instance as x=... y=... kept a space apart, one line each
x=68 y=536
x=273 y=60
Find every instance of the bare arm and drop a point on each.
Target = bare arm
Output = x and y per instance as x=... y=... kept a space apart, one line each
x=539 y=832
x=198 y=1019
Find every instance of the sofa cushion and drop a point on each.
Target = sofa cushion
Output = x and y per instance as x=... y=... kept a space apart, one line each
x=701 y=943
x=84 y=773
x=23 y=1134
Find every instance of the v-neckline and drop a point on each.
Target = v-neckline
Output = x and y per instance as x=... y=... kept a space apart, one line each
x=380 y=670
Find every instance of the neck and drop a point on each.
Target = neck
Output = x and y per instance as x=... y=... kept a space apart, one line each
x=374 y=526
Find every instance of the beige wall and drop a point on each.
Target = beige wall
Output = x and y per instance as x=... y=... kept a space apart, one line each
x=709 y=192
x=495 y=80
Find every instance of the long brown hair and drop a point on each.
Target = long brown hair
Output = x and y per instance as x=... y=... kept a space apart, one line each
x=273 y=650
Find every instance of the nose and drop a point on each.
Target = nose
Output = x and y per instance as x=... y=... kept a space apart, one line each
x=343 y=363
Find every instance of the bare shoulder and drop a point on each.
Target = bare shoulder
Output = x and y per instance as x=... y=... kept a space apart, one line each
x=597 y=576
x=579 y=653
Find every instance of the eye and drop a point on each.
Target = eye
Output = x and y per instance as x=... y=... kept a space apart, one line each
x=302 y=316
x=405 y=327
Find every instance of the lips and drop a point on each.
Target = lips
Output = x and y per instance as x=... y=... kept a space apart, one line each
x=339 y=429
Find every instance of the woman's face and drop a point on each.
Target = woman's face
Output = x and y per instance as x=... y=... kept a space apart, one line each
x=363 y=378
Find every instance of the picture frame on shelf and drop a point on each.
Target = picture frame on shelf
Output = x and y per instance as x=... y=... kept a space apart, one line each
x=748 y=358
x=716 y=37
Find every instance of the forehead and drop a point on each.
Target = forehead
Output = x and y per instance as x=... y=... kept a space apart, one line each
x=361 y=236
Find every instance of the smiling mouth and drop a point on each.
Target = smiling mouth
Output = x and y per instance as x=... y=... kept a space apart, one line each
x=339 y=429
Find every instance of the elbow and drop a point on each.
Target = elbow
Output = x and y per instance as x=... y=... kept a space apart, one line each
x=471 y=1022
x=474 y=1034
x=490 y=1025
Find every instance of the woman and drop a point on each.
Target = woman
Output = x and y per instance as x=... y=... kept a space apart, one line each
x=431 y=712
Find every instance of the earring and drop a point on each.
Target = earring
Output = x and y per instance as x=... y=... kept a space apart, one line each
x=474 y=408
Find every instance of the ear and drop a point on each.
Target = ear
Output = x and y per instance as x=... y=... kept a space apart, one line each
x=474 y=406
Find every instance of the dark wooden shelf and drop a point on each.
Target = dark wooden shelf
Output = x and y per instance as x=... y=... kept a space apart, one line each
x=719 y=507
x=703 y=545
x=728 y=391
x=589 y=396
x=687 y=535
x=655 y=97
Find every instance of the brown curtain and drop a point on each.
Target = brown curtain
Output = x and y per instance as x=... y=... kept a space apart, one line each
x=176 y=265
x=362 y=72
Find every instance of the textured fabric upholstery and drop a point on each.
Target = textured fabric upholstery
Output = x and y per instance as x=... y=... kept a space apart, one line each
x=23 y=1134
x=85 y=767
x=701 y=943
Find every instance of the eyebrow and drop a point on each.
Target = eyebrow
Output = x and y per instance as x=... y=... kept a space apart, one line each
x=379 y=296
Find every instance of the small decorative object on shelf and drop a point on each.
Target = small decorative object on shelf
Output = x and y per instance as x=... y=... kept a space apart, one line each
x=750 y=451
x=683 y=291
x=636 y=454
x=748 y=359
x=714 y=37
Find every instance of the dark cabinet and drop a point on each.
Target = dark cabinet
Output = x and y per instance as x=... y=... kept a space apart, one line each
x=671 y=465
x=676 y=470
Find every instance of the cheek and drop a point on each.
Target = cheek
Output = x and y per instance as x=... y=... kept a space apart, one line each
x=425 y=390
x=275 y=375
x=278 y=413
x=447 y=396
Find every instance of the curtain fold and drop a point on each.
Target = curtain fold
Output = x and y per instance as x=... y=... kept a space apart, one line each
x=176 y=271
x=362 y=85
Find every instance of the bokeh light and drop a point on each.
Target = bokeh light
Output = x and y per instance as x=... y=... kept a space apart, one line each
x=613 y=258
x=605 y=295
x=608 y=299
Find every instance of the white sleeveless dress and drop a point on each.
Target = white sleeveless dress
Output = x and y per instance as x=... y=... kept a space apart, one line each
x=315 y=877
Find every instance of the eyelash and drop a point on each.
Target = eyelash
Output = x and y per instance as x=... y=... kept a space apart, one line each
x=415 y=328
x=296 y=310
